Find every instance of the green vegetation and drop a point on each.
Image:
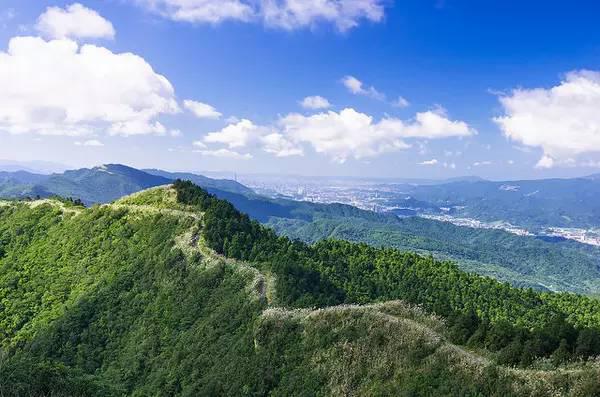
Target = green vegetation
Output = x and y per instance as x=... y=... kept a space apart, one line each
x=521 y=260
x=482 y=311
x=133 y=298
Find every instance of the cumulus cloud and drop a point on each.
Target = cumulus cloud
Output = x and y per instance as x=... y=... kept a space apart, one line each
x=225 y=153
x=433 y=124
x=563 y=121
x=545 y=162
x=429 y=162
x=91 y=142
x=356 y=87
x=282 y=14
x=58 y=87
x=338 y=135
x=315 y=102
x=245 y=133
x=236 y=135
x=74 y=21
x=201 y=110
x=351 y=134
x=278 y=145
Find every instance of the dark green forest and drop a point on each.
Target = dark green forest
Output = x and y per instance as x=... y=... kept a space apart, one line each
x=521 y=324
x=175 y=292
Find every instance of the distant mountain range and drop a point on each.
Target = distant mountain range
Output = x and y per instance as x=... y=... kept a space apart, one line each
x=524 y=261
x=532 y=204
x=100 y=184
x=36 y=167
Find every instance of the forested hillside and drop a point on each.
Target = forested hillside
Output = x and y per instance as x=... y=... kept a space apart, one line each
x=174 y=292
x=524 y=261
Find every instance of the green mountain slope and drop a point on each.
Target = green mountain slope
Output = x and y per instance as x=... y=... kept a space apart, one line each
x=102 y=184
x=522 y=261
x=173 y=292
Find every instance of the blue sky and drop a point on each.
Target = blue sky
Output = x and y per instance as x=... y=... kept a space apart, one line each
x=456 y=64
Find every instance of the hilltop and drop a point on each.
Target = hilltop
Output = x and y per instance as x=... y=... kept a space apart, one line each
x=173 y=291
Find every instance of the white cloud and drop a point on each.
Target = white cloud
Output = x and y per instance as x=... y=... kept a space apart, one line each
x=344 y=14
x=75 y=21
x=340 y=136
x=282 y=14
x=236 y=135
x=401 y=102
x=225 y=153
x=59 y=88
x=545 y=162
x=351 y=134
x=481 y=163
x=429 y=162
x=315 y=102
x=201 y=11
x=201 y=110
x=356 y=87
x=278 y=145
x=245 y=133
x=91 y=142
x=563 y=121
x=434 y=124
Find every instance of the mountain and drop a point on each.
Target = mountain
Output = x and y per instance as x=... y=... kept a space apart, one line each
x=21 y=177
x=226 y=185
x=533 y=204
x=521 y=260
x=101 y=184
x=173 y=292
x=526 y=261
x=35 y=167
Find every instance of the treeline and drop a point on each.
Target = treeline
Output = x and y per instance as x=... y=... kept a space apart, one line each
x=519 y=324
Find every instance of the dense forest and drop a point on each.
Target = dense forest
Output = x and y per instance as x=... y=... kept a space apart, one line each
x=521 y=324
x=175 y=292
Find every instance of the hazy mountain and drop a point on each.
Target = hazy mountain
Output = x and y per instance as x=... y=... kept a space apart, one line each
x=227 y=185
x=527 y=203
x=36 y=167
x=101 y=184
